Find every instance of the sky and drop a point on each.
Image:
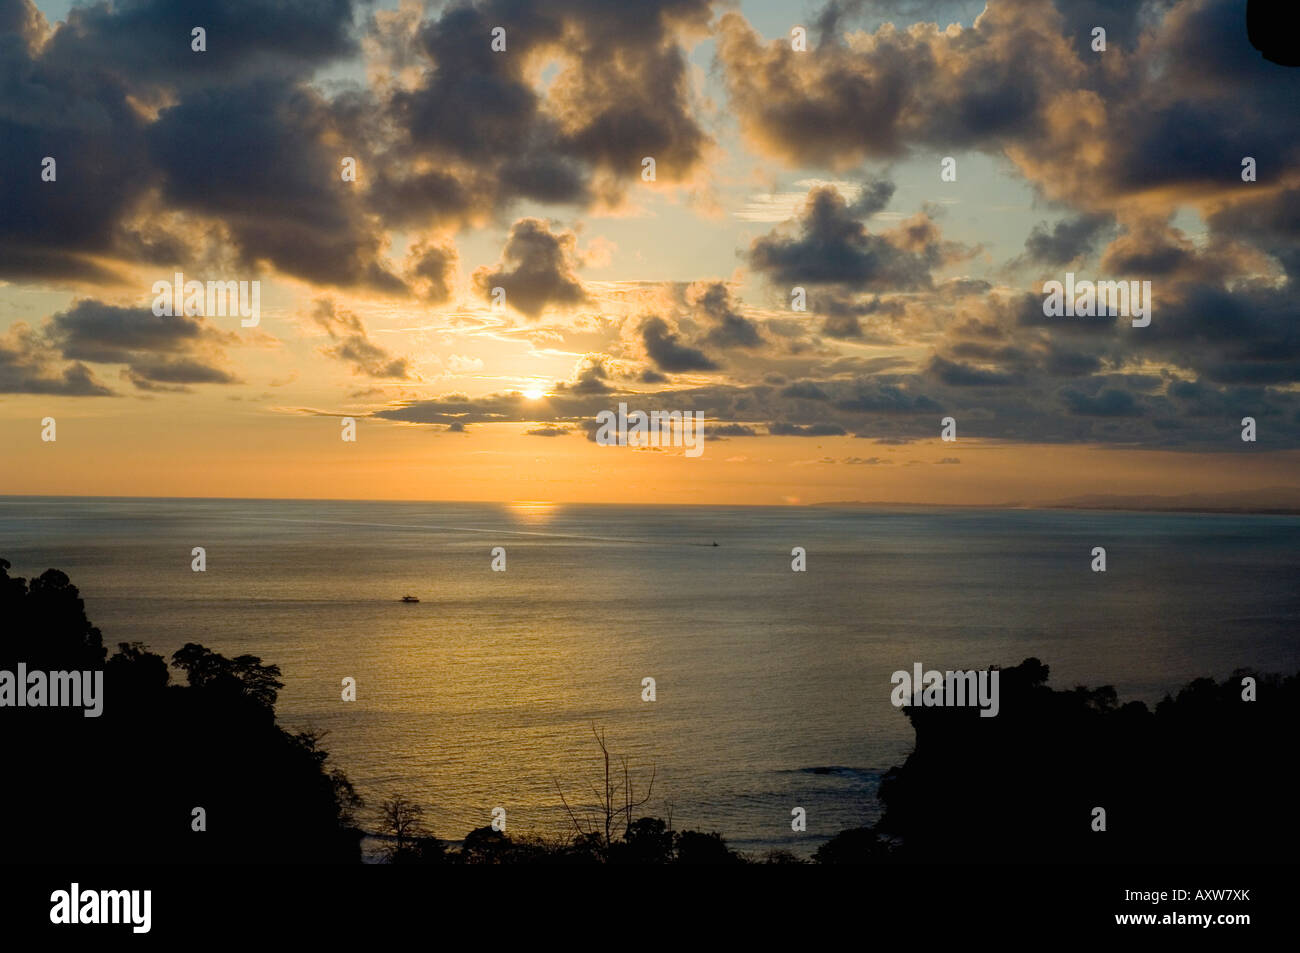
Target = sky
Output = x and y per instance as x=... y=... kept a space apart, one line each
x=820 y=168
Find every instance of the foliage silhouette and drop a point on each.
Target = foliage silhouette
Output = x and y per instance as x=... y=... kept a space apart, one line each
x=1205 y=777
x=124 y=786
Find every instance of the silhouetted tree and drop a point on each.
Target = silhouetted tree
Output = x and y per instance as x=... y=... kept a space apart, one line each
x=616 y=801
x=483 y=845
x=858 y=845
x=646 y=841
x=413 y=843
x=695 y=847
x=125 y=786
x=1202 y=779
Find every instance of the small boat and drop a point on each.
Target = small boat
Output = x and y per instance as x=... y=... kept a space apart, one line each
x=715 y=542
x=410 y=599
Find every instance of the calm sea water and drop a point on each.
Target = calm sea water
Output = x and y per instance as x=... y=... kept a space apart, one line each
x=773 y=686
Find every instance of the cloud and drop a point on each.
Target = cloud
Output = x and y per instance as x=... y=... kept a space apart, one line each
x=781 y=429
x=352 y=344
x=1109 y=402
x=844 y=311
x=725 y=431
x=667 y=352
x=167 y=350
x=965 y=375
x=713 y=303
x=805 y=390
x=890 y=90
x=431 y=269
x=591 y=379
x=1095 y=130
x=143 y=128
x=284 y=201
x=833 y=247
x=538 y=269
x=27 y=366
x=1068 y=240
x=620 y=92
x=897 y=409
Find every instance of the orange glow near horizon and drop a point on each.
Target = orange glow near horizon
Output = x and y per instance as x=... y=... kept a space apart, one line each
x=302 y=457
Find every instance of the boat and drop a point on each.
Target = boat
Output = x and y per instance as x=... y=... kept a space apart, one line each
x=410 y=599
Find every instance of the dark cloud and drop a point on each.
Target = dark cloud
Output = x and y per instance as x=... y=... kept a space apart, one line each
x=591 y=379
x=901 y=408
x=148 y=42
x=805 y=430
x=284 y=201
x=169 y=350
x=537 y=269
x=138 y=122
x=833 y=247
x=879 y=396
x=957 y=374
x=1109 y=402
x=844 y=311
x=727 y=327
x=1269 y=221
x=1067 y=240
x=1022 y=82
x=805 y=390
x=1122 y=20
x=621 y=93
x=49 y=107
x=872 y=197
x=432 y=268
x=28 y=366
x=667 y=351
x=726 y=431
x=94 y=331
x=841 y=105
x=1149 y=252
x=1066 y=363
x=177 y=371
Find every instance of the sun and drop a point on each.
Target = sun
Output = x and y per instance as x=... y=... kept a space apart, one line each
x=534 y=394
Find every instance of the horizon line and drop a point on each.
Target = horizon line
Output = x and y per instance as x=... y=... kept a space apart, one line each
x=1071 y=505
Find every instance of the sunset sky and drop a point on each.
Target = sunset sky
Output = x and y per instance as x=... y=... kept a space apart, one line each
x=522 y=169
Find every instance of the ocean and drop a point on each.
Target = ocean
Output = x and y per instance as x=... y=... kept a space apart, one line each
x=771 y=686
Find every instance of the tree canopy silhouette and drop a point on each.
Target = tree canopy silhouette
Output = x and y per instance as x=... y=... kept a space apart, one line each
x=124 y=786
x=1206 y=777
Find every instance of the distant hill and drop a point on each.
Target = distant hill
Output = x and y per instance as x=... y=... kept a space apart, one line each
x=1282 y=500
x=1277 y=499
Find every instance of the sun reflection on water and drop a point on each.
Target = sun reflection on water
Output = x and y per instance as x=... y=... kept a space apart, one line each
x=532 y=512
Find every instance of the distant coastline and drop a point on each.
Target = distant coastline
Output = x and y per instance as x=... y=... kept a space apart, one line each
x=1285 y=502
